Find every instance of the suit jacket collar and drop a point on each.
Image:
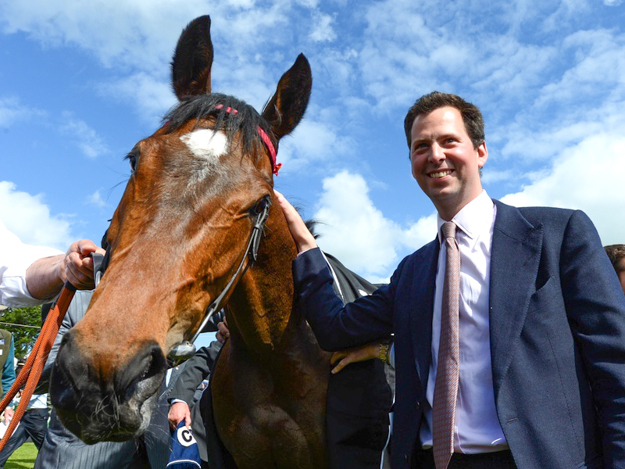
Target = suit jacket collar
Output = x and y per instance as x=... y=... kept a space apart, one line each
x=515 y=257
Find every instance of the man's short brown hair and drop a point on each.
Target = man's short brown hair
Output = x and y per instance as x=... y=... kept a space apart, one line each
x=471 y=115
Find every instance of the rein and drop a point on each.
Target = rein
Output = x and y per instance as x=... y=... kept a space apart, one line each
x=185 y=350
x=33 y=367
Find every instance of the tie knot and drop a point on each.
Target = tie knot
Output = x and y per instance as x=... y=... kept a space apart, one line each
x=449 y=230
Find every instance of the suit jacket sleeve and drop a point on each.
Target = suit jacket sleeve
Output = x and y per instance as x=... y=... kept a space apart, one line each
x=336 y=326
x=595 y=306
x=196 y=369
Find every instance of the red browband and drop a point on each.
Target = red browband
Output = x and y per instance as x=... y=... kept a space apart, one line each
x=275 y=167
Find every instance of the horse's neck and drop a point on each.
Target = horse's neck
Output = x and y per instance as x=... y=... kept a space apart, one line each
x=262 y=316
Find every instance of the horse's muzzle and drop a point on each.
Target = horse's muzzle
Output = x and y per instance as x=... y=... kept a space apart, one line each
x=100 y=405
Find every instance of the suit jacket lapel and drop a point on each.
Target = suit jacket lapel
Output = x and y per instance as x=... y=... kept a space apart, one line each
x=515 y=258
x=422 y=305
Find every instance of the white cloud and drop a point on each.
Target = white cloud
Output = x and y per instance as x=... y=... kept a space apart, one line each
x=358 y=233
x=493 y=176
x=565 y=12
x=322 y=28
x=242 y=3
x=136 y=40
x=612 y=3
x=123 y=33
x=30 y=219
x=83 y=136
x=587 y=176
x=312 y=142
x=11 y=111
x=339 y=69
x=96 y=199
x=150 y=96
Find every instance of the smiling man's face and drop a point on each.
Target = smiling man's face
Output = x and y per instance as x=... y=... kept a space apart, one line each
x=444 y=161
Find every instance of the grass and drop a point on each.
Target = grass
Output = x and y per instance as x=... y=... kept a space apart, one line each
x=23 y=458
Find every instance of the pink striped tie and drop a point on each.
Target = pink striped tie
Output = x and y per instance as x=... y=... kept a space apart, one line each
x=448 y=370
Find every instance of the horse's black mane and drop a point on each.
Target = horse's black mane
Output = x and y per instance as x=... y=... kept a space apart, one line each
x=245 y=120
x=312 y=225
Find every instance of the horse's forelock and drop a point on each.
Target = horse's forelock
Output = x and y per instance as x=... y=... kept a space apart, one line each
x=245 y=120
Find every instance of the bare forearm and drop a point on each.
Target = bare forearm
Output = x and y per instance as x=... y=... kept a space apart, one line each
x=44 y=277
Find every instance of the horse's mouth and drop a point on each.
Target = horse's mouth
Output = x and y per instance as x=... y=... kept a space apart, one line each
x=106 y=425
x=106 y=420
x=116 y=411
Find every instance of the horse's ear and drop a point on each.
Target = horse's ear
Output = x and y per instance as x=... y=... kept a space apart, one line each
x=286 y=108
x=191 y=67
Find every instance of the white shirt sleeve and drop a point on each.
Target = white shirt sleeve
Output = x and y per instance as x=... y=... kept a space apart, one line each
x=15 y=258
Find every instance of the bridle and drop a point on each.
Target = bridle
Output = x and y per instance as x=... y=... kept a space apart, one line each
x=184 y=350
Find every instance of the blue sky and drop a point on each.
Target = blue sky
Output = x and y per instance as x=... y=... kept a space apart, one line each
x=82 y=82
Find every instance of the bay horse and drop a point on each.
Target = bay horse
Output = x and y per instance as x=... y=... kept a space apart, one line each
x=200 y=186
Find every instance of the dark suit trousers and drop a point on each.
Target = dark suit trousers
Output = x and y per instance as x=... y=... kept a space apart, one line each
x=497 y=460
x=34 y=424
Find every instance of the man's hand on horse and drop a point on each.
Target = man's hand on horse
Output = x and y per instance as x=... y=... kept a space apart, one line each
x=78 y=265
x=45 y=277
x=223 y=332
x=359 y=354
x=304 y=240
x=178 y=412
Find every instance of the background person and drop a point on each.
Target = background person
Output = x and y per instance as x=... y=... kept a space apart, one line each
x=616 y=253
x=33 y=425
x=7 y=361
x=7 y=364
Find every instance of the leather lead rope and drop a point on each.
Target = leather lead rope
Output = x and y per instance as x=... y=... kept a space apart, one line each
x=31 y=372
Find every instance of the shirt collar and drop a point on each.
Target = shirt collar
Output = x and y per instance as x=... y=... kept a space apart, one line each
x=475 y=217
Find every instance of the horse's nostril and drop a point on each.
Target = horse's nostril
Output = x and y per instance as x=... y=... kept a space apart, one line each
x=150 y=362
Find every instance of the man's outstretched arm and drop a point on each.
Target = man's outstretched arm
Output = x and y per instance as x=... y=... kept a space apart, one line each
x=45 y=277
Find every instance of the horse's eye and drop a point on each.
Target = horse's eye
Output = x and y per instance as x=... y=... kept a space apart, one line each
x=261 y=205
x=133 y=163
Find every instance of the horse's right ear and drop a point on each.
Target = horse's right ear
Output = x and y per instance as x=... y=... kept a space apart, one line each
x=286 y=108
x=193 y=59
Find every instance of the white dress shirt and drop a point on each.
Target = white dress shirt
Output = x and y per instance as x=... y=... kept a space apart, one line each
x=476 y=427
x=15 y=258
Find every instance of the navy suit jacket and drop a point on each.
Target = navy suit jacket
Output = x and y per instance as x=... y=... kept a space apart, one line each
x=557 y=330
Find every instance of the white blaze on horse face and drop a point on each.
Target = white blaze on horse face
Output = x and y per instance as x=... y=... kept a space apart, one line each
x=206 y=143
x=207 y=146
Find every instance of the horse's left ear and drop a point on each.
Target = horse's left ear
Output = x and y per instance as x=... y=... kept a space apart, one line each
x=193 y=59
x=287 y=106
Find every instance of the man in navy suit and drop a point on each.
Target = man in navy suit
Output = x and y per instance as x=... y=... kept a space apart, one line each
x=541 y=320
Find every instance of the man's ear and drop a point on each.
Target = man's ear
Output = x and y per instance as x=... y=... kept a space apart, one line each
x=482 y=154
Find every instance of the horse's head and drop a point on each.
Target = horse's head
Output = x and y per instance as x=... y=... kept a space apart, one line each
x=198 y=186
